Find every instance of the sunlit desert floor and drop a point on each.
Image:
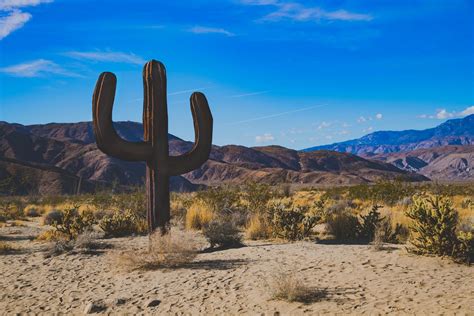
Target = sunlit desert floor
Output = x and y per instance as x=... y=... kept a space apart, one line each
x=344 y=279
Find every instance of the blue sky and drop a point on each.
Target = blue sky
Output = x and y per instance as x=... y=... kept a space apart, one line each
x=294 y=73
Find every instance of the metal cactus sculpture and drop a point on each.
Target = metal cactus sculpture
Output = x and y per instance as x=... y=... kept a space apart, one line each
x=154 y=147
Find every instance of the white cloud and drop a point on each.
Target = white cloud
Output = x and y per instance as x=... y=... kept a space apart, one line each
x=210 y=30
x=298 y=12
x=12 y=18
x=248 y=94
x=467 y=111
x=361 y=119
x=265 y=138
x=12 y=4
x=116 y=57
x=37 y=68
x=378 y=116
x=368 y=129
x=443 y=114
x=324 y=125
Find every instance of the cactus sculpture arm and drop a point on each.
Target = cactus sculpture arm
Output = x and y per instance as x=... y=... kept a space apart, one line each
x=154 y=149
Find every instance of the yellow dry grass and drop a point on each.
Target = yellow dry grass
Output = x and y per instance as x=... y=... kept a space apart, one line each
x=198 y=215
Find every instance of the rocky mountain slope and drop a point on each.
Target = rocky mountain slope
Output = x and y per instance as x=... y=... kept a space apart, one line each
x=452 y=132
x=71 y=148
x=447 y=163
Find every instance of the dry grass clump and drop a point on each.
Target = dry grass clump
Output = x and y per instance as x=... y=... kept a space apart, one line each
x=88 y=241
x=257 y=228
x=6 y=248
x=199 y=214
x=174 y=249
x=289 y=287
x=51 y=235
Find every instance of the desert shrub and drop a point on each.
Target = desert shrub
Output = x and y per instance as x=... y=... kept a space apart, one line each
x=121 y=224
x=220 y=200
x=74 y=223
x=434 y=222
x=258 y=228
x=369 y=223
x=11 y=209
x=386 y=192
x=464 y=251
x=257 y=196
x=385 y=231
x=291 y=222
x=31 y=211
x=198 y=215
x=6 y=248
x=174 y=249
x=100 y=214
x=133 y=202
x=58 y=247
x=343 y=225
x=88 y=241
x=53 y=216
x=467 y=203
x=51 y=235
x=222 y=232
x=285 y=190
x=289 y=287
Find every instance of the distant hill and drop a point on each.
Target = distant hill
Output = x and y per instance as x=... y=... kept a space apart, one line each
x=452 y=132
x=448 y=163
x=70 y=150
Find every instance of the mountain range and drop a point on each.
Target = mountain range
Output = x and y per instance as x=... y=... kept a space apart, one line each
x=452 y=132
x=63 y=158
x=444 y=153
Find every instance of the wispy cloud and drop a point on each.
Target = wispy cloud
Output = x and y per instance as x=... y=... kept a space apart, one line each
x=12 y=18
x=379 y=116
x=265 y=138
x=116 y=57
x=210 y=30
x=12 y=4
x=443 y=114
x=37 y=68
x=276 y=115
x=296 y=11
x=248 y=94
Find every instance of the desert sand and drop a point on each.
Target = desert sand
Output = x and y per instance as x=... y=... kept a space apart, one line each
x=344 y=279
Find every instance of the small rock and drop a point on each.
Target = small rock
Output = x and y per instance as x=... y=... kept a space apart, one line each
x=152 y=303
x=93 y=307
x=116 y=301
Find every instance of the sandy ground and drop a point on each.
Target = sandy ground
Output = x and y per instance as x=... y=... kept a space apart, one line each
x=344 y=279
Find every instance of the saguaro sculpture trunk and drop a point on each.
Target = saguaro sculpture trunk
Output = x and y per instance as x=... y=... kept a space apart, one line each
x=154 y=148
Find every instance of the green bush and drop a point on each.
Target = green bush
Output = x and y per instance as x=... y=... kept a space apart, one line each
x=435 y=229
x=290 y=222
x=53 y=216
x=222 y=232
x=74 y=223
x=257 y=196
x=121 y=224
x=434 y=222
x=343 y=225
x=369 y=223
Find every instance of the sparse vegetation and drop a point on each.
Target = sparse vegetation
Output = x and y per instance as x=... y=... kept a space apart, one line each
x=435 y=231
x=174 y=249
x=222 y=232
x=289 y=287
x=119 y=224
x=199 y=214
x=292 y=222
x=6 y=248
